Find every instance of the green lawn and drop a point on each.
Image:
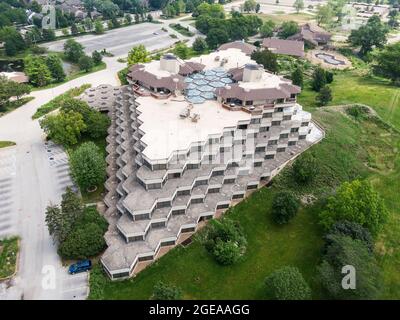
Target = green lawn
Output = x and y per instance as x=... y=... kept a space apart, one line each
x=350 y=150
x=4 y=144
x=8 y=256
x=280 y=17
x=350 y=87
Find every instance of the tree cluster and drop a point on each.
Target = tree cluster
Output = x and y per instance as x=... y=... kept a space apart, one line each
x=305 y=168
x=74 y=52
x=372 y=34
x=211 y=21
x=9 y=88
x=75 y=119
x=320 y=78
x=387 y=63
x=363 y=275
x=267 y=58
x=357 y=202
x=78 y=230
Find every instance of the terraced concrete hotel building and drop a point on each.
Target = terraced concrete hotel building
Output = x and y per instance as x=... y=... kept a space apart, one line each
x=188 y=139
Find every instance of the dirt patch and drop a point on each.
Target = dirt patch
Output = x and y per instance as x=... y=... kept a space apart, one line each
x=308 y=199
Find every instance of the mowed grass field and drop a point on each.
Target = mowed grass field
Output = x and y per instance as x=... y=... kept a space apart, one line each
x=352 y=149
x=280 y=16
x=352 y=87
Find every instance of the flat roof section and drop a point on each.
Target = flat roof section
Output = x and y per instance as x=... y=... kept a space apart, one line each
x=165 y=130
x=227 y=59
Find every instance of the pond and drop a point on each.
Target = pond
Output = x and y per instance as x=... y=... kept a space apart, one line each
x=11 y=65
x=69 y=68
x=328 y=58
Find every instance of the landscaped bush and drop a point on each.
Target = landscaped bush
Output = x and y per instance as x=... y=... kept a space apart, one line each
x=182 y=30
x=305 y=168
x=86 y=238
x=358 y=112
x=358 y=202
x=8 y=256
x=226 y=252
x=54 y=103
x=88 y=166
x=122 y=74
x=163 y=291
x=284 y=207
x=352 y=230
x=344 y=251
x=287 y=283
x=225 y=240
x=83 y=242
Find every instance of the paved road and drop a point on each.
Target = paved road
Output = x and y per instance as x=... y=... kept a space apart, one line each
x=7 y=192
x=32 y=175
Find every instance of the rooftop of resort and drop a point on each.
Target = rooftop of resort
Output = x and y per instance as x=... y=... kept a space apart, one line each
x=177 y=108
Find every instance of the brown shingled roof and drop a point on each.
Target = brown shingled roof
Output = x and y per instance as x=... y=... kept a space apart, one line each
x=190 y=67
x=235 y=91
x=246 y=48
x=138 y=73
x=312 y=33
x=280 y=46
x=236 y=73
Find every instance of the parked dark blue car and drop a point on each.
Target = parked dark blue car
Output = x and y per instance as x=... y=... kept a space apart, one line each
x=80 y=266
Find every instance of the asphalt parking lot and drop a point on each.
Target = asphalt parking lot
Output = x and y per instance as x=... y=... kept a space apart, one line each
x=8 y=212
x=120 y=41
x=74 y=287
x=58 y=160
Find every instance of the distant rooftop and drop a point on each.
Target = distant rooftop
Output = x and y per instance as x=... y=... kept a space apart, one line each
x=280 y=46
x=246 y=48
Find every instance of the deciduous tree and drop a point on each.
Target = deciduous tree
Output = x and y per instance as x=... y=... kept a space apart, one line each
x=88 y=166
x=138 y=54
x=358 y=202
x=267 y=29
x=372 y=34
x=284 y=207
x=344 y=251
x=73 y=50
x=64 y=128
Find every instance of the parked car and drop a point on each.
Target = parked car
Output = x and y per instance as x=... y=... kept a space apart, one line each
x=80 y=266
